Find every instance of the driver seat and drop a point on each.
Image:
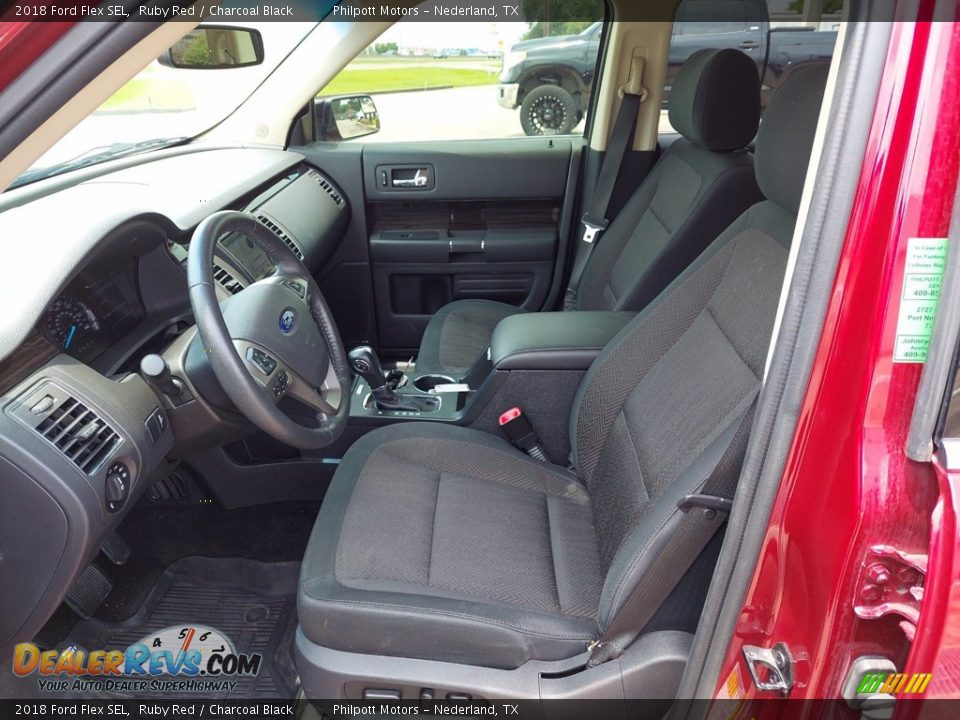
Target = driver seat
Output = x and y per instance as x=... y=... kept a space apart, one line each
x=447 y=544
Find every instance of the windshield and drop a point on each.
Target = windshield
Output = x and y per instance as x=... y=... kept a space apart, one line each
x=163 y=106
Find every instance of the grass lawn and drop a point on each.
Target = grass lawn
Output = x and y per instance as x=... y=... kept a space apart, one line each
x=391 y=79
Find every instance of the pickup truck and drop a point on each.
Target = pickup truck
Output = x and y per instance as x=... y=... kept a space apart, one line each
x=550 y=79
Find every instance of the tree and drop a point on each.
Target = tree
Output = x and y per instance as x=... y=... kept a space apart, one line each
x=553 y=29
x=384 y=48
x=549 y=18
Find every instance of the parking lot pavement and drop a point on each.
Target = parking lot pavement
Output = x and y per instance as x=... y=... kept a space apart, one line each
x=451 y=114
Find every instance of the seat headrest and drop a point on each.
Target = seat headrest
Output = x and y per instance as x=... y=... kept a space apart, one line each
x=786 y=135
x=715 y=100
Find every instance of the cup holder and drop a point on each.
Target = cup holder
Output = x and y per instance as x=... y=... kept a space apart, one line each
x=427 y=383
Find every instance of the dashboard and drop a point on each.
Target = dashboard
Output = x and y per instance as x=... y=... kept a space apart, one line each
x=113 y=295
x=102 y=283
x=96 y=311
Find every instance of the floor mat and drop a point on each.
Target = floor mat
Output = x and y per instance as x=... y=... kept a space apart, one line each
x=251 y=603
x=160 y=535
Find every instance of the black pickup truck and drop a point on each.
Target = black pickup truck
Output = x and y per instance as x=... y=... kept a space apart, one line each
x=550 y=79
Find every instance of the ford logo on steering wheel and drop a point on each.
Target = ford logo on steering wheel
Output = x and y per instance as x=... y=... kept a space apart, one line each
x=288 y=321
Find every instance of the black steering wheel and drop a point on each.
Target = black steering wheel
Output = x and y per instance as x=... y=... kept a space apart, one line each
x=274 y=339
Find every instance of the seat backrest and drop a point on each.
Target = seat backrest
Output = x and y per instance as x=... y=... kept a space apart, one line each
x=698 y=187
x=689 y=365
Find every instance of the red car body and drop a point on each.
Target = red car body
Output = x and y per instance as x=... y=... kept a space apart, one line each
x=848 y=485
x=23 y=42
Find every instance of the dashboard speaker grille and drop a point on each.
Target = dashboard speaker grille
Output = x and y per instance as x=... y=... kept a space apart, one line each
x=227 y=281
x=80 y=434
x=278 y=231
x=327 y=187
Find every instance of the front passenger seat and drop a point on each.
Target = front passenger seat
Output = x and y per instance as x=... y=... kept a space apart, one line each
x=697 y=188
x=448 y=544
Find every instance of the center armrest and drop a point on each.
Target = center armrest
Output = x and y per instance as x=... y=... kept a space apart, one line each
x=553 y=340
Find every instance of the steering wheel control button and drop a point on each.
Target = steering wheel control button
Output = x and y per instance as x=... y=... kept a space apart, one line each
x=260 y=360
x=156 y=424
x=280 y=384
x=288 y=321
x=117 y=486
x=296 y=287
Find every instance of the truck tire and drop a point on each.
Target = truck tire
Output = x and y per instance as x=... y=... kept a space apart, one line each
x=548 y=110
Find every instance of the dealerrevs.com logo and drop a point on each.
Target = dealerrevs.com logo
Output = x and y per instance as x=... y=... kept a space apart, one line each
x=179 y=659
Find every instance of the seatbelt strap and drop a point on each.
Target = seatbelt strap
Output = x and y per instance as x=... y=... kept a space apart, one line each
x=704 y=513
x=595 y=220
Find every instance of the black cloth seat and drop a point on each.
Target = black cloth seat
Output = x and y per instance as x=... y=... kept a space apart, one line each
x=445 y=543
x=453 y=545
x=698 y=187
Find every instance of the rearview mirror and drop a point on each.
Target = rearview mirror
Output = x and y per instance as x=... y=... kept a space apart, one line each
x=346 y=117
x=214 y=48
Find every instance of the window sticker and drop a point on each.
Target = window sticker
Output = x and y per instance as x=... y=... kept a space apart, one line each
x=922 y=276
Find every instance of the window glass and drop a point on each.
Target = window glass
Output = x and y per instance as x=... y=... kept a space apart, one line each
x=470 y=80
x=776 y=37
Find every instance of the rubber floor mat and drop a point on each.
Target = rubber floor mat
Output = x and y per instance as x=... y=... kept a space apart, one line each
x=251 y=604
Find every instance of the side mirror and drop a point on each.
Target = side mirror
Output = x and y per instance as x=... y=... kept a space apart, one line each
x=345 y=117
x=215 y=48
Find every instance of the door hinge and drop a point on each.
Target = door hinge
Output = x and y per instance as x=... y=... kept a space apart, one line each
x=891 y=583
x=771 y=668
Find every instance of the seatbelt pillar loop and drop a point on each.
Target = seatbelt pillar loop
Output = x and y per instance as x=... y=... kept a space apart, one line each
x=634 y=85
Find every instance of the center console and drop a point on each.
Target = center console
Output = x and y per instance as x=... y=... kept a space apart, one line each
x=554 y=340
x=536 y=362
x=402 y=394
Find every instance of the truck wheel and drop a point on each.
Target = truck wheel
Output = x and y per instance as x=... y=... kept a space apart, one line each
x=548 y=110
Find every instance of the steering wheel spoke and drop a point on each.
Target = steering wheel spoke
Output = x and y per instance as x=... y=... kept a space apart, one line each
x=297 y=283
x=324 y=400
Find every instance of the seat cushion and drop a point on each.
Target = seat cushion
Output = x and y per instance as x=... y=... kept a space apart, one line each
x=446 y=543
x=689 y=198
x=459 y=334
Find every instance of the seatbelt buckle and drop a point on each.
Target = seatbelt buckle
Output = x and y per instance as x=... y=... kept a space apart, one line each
x=592 y=228
x=712 y=504
x=521 y=433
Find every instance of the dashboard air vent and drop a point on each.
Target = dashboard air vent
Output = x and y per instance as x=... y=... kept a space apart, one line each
x=278 y=231
x=327 y=187
x=80 y=434
x=227 y=281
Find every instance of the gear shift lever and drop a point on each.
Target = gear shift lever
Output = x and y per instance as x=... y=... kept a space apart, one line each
x=366 y=364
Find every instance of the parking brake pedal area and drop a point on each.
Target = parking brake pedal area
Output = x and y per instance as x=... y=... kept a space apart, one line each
x=88 y=592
